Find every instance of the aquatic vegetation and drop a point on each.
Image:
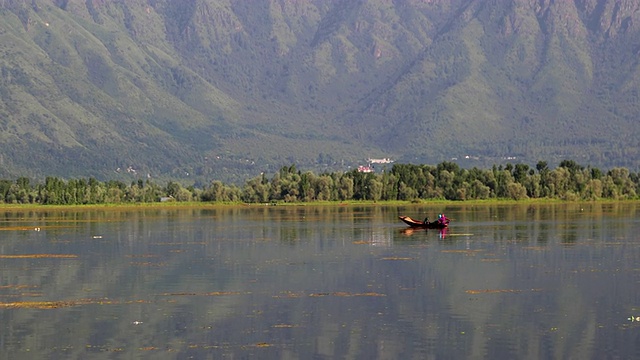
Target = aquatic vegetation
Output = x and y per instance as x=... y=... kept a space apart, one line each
x=213 y=293
x=345 y=294
x=63 y=303
x=463 y=251
x=39 y=256
x=17 y=287
x=496 y=291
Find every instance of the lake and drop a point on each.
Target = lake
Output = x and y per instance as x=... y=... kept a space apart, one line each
x=553 y=281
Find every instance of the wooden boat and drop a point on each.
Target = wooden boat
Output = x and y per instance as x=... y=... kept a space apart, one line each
x=421 y=224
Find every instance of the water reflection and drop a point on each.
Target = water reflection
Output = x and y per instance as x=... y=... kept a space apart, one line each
x=442 y=233
x=509 y=281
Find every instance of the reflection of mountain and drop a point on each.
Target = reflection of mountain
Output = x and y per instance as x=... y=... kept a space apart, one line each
x=295 y=282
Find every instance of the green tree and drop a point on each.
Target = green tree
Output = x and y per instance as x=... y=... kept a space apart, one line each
x=275 y=191
x=114 y=195
x=152 y=192
x=53 y=191
x=559 y=179
x=623 y=183
x=217 y=191
x=345 y=188
x=593 y=190
x=478 y=190
x=5 y=185
x=520 y=172
x=184 y=194
x=374 y=188
x=516 y=191
x=323 y=187
x=446 y=183
x=542 y=166
x=134 y=193
x=503 y=180
x=307 y=190
x=533 y=185
x=291 y=188
x=255 y=191
x=406 y=192
x=172 y=189
x=389 y=186
x=428 y=188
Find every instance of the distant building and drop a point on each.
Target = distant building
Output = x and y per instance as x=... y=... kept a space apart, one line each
x=365 y=169
x=380 y=161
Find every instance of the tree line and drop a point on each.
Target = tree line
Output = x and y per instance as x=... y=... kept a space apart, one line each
x=447 y=181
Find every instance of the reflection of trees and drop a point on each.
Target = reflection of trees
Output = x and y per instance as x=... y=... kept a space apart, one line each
x=568 y=234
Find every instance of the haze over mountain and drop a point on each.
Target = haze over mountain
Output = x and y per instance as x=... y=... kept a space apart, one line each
x=224 y=88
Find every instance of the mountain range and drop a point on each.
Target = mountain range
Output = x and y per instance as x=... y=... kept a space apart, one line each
x=206 y=89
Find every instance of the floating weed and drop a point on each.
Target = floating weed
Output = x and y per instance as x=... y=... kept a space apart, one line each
x=288 y=294
x=345 y=294
x=263 y=344
x=16 y=228
x=19 y=287
x=103 y=348
x=40 y=304
x=465 y=251
x=180 y=243
x=24 y=294
x=361 y=242
x=39 y=256
x=214 y=293
x=32 y=228
x=222 y=346
x=63 y=304
x=496 y=291
x=147 y=263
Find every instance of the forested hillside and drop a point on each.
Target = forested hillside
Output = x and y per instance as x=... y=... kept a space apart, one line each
x=223 y=89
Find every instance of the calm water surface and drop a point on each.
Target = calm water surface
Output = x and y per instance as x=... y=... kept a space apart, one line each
x=307 y=282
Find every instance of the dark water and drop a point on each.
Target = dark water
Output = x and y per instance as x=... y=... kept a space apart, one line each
x=504 y=282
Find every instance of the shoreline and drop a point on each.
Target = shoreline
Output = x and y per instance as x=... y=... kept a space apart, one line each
x=204 y=205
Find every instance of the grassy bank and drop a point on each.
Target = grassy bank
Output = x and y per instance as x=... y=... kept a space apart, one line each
x=204 y=205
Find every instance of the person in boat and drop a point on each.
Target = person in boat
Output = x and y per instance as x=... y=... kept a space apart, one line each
x=442 y=219
x=426 y=220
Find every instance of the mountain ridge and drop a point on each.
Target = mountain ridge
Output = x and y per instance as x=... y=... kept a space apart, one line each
x=226 y=89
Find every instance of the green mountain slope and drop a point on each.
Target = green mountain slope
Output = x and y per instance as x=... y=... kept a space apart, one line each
x=525 y=80
x=225 y=89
